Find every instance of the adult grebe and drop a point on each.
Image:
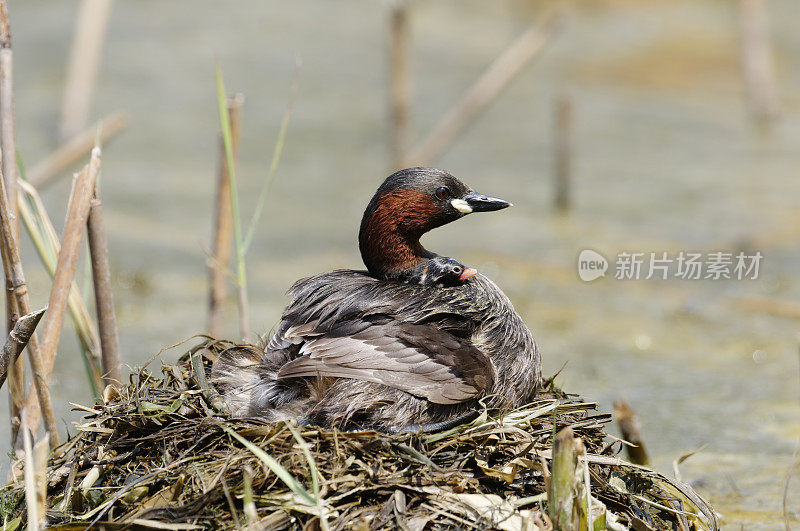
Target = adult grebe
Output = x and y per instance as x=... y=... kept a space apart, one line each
x=384 y=348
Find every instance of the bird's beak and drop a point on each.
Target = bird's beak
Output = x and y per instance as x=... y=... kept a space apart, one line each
x=467 y=273
x=475 y=202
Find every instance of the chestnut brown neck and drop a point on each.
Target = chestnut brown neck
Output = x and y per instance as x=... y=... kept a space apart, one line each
x=390 y=231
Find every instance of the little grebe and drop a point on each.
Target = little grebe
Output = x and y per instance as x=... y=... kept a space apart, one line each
x=391 y=347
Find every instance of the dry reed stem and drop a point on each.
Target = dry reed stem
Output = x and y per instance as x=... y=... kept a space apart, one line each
x=84 y=63
x=12 y=265
x=757 y=60
x=9 y=168
x=17 y=340
x=101 y=274
x=70 y=152
x=45 y=239
x=400 y=104
x=631 y=431
x=77 y=214
x=223 y=225
x=563 y=479
x=30 y=480
x=562 y=173
x=485 y=90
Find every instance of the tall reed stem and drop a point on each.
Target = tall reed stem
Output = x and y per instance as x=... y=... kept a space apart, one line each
x=77 y=213
x=101 y=273
x=9 y=168
x=485 y=90
x=84 y=63
x=12 y=265
x=223 y=230
x=400 y=102
x=241 y=268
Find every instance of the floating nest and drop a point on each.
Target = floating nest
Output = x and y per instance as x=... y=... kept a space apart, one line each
x=161 y=454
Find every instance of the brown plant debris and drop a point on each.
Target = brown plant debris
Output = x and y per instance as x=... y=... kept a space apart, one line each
x=159 y=453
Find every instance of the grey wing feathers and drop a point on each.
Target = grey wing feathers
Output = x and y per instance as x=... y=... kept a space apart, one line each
x=418 y=359
x=347 y=324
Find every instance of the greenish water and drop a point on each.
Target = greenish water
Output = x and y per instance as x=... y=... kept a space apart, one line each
x=665 y=161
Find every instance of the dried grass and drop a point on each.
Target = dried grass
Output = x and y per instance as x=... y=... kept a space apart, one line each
x=159 y=453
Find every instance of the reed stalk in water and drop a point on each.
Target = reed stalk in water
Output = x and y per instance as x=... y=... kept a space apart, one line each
x=84 y=63
x=45 y=240
x=39 y=399
x=400 y=78
x=47 y=170
x=485 y=90
x=631 y=431
x=8 y=164
x=77 y=213
x=104 y=300
x=223 y=230
x=241 y=268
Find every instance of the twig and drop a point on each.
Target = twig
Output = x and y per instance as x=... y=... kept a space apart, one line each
x=400 y=104
x=17 y=340
x=563 y=153
x=84 y=63
x=631 y=431
x=77 y=213
x=9 y=168
x=223 y=228
x=497 y=77
x=104 y=300
x=756 y=58
x=47 y=170
x=12 y=265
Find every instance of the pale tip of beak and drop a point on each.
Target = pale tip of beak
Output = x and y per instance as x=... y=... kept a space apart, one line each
x=461 y=205
x=467 y=273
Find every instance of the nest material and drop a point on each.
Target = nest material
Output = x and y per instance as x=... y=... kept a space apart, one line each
x=159 y=453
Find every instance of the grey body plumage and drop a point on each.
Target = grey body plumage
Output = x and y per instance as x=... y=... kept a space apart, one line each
x=355 y=351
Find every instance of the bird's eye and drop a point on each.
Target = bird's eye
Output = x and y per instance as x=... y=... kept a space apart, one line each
x=457 y=270
x=442 y=192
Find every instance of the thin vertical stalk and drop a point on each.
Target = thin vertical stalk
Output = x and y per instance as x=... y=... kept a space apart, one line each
x=562 y=174
x=84 y=63
x=223 y=230
x=101 y=274
x=8 y=150
x=757 y=60
x=12 y=265
x=241 y=268
x=45 y=239
x=77 y=214
x=400 y=103
x=31 y=500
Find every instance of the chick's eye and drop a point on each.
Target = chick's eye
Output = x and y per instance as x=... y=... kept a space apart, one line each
x=457 y=270
x=442 y=192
